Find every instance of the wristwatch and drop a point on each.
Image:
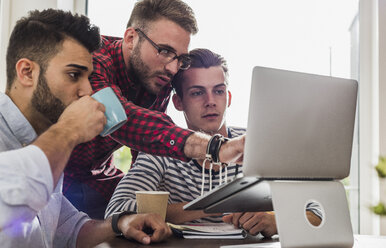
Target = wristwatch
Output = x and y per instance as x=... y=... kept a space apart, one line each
x=115 y=218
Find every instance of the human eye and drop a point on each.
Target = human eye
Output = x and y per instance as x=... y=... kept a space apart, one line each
x=196 y=93
x=74 y=76
x=166 y=52
x=219 y=91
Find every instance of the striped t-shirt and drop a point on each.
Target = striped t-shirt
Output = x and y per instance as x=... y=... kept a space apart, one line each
x=182 y=179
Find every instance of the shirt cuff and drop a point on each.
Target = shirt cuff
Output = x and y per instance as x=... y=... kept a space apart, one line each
x=175 y=140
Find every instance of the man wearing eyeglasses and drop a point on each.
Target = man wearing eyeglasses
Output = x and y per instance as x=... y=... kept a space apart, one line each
x=139 y=67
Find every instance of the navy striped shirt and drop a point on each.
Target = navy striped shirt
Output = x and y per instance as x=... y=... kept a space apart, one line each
x=182 y=179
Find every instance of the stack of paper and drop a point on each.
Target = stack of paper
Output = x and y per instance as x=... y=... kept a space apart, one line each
x=208 y=231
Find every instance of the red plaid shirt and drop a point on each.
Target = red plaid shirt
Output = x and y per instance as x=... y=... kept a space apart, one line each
x=146 y=130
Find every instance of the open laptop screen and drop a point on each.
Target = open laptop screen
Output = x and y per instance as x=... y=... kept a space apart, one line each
x=299 y=125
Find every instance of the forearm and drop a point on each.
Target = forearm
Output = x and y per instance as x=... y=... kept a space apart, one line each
x=120 y=203
x=196 y=144
x=231 y=151
x=94 y=232
x=167 y=140
x=81 y=121
x=57 y=143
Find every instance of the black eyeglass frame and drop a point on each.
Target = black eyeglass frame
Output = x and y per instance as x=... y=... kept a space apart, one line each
x=159 y=49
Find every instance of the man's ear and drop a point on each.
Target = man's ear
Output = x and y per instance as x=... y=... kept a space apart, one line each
x=130 y=37
x=177 y=102
x=229 y=98
x=26 y=71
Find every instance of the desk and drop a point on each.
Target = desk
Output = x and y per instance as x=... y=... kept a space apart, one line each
x=174 y=242
x=361 y=241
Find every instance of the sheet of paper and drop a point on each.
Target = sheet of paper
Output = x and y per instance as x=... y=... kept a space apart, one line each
x=209 y=227
x=238 y=236
x=208 y=231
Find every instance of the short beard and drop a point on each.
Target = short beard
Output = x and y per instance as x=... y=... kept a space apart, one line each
x=138 y=70
x=45 y=102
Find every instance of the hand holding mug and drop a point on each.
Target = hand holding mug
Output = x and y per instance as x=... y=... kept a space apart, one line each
x=115 y=113
x=84 y=117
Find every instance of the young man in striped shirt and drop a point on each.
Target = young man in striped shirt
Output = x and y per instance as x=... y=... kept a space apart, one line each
x=203 y=96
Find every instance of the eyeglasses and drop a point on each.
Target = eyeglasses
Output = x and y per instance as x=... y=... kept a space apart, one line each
x=166 y=55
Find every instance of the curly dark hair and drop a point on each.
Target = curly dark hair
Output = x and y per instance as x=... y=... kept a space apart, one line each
x=39 y=37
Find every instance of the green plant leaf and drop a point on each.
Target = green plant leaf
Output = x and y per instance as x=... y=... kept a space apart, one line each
x=379 y=209
x=381 y=167
x=122 y=159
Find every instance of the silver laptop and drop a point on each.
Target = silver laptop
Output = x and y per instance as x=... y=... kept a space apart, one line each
x=300 y=126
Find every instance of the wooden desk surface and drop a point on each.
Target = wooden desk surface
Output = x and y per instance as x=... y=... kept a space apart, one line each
x=361 y=241
x=174 y=242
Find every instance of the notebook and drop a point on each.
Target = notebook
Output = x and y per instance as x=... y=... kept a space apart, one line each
x=300 y=126
x=208 y=231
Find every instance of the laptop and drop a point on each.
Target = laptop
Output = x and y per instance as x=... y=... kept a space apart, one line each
x=300 y=127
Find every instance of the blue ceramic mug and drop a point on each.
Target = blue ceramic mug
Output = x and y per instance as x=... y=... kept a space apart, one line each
x=115 y=113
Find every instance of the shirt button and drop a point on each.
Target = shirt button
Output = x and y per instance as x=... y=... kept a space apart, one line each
x=172 y=142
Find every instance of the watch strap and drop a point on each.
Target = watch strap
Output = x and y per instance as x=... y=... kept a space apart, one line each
x=115 y=219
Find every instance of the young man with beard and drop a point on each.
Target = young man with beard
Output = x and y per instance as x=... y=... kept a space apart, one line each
x=46 y=111
x=139 y=68
x=202 y=95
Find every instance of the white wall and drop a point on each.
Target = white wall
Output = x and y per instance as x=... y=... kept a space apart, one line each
x=372 y=98
x=368 y=126
x=382 y=92
x=13 y=10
